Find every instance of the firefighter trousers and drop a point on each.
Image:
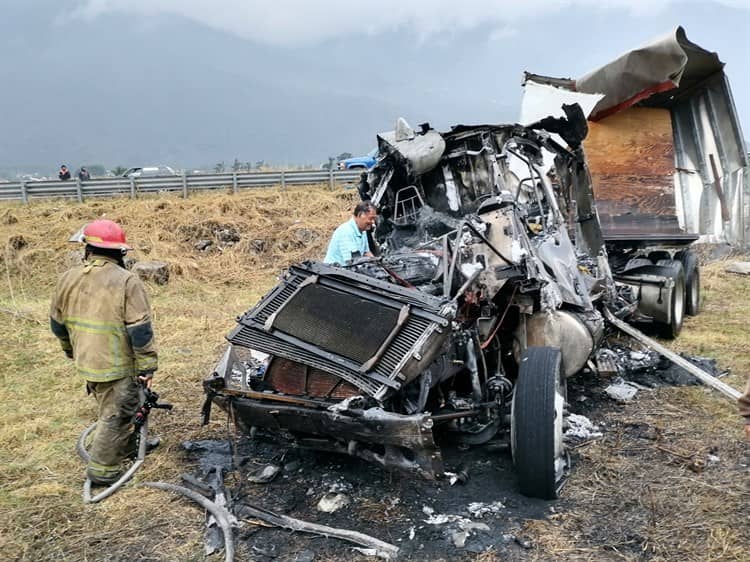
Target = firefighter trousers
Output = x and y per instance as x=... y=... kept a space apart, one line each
x=114 y=438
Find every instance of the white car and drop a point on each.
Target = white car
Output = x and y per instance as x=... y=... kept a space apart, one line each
x=149 y=171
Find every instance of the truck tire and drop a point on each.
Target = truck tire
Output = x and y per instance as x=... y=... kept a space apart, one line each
x=537 y=423
x=673 y=269
x=689 y=261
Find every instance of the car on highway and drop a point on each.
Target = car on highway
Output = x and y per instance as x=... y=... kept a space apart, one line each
x=149 y=171
x=360 y=162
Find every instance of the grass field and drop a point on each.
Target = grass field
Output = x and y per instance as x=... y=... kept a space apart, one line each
x=44 y=406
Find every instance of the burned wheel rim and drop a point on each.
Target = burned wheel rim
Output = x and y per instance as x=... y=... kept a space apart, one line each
x=537 y=423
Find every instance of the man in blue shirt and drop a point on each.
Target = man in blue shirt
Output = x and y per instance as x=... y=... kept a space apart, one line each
x=349 y=240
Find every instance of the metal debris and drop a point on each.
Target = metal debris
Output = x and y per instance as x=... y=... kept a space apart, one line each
x=265 y=475
x=700 y=374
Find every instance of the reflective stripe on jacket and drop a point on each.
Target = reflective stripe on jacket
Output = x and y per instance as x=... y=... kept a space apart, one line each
x=101 y=313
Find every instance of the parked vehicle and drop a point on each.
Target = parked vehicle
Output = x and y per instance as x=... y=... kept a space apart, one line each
x=149 y=171
x=360 y=162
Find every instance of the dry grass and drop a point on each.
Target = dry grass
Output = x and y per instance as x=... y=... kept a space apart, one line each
x=632 y=496
x=44 y=403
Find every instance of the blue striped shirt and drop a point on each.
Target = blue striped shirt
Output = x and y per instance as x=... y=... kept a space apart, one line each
x=346 y=240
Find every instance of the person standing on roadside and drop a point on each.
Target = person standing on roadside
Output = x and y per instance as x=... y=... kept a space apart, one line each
x=64 y=173
x=101 y=314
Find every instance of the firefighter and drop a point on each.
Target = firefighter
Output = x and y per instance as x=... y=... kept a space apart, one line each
x=101 y=314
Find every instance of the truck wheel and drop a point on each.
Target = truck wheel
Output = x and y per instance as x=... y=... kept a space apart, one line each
x=689 y=261
x=537 y=423
x=673 y=269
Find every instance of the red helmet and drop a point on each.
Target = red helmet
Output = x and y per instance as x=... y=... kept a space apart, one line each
x=105 y=233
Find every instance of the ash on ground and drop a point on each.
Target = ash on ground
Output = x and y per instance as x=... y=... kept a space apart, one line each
x=477 y=510
x=427 y=520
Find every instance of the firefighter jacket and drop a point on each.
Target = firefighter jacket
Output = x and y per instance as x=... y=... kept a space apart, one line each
x=101 y=314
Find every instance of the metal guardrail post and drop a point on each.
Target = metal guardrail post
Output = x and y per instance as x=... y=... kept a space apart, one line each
x=184 y=185
x=132 y=188
x=79 y=191
x=330 y=178
x=283 y=180
x=24 y=192
x=234 y=182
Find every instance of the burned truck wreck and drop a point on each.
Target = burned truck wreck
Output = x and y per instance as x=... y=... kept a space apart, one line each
x=489 y=290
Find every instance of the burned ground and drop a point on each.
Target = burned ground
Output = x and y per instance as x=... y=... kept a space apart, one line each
x=648 y=488
x=392 y=506
x=667 y=481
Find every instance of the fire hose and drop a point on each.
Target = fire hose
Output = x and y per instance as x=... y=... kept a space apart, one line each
x=149 y=400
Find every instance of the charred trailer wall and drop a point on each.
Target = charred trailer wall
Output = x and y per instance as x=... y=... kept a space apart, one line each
x=631 y=158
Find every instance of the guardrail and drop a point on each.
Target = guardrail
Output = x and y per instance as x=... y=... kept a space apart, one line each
x=184 y=184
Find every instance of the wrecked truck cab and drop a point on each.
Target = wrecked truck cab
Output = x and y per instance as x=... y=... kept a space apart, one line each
x=485 y=296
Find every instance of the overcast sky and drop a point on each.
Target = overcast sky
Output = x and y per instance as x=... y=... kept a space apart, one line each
x=191 y=82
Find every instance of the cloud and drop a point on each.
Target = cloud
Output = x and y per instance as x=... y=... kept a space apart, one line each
x=307 y=22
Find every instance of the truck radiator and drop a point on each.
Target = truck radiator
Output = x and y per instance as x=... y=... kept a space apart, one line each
x=373 y=335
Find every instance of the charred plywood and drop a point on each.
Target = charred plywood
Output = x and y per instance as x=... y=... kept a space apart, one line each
x=631 y=158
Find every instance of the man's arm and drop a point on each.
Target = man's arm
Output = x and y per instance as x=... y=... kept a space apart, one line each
x=57 y=324
x=140 y=330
